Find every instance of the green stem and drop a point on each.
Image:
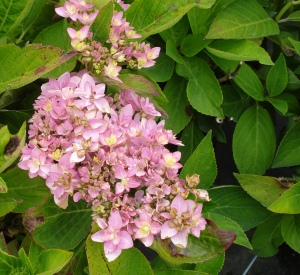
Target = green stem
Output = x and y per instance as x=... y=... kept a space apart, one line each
x=285 y=8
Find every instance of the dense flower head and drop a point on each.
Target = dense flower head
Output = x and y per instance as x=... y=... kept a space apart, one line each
x=110 y=152
x=106 y=60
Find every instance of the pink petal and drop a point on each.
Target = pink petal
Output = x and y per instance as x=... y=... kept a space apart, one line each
x=166 y=231
x=111 y=256
x=180 y=239
x=126 y=240
x=180 y=204
x=147 y=241
x=99 y=236
x=115 y=220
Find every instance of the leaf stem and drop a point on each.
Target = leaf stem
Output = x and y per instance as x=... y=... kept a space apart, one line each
x=285 y=8
x=231 y=75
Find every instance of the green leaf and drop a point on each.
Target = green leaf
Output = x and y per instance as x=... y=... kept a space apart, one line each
x=277 y=78
x=178 y=272
x=234 y=203
x=265 y=190
x=190 y=137
x=246 y=78
x=290 y=229
x=136 y=81
x=53 y=227
x=27 y=191
x=131 y=261
x=193 y=44
x=34 y=13
x=288 y=152
x=34 y=254
x=176 y=33
x=242 y=20
x=13 y=148
x=52 y=261
x=14 y=119
x=239 y=50
x=288 y=203
x=22 y=66
x=12 y=12
x=212 y=242
x=254 y=141
x=233 y=104
x=10 y=264
x=293 y=81
x=291 y=101
x=177 y=104
x=203 y=163
x=203 y=90
x=163 y=69
x=6 y=206
x=296 y=44
x=26 y=262
x=153 y=16
x=201 y=19
x=279 y=104
x=3 y=186
x=101 y=25
x=57 y=35
x=293 y=17
x=267 y=237
x=212 y=266
x=172 y=51
x=228 y=224
x=4 y=139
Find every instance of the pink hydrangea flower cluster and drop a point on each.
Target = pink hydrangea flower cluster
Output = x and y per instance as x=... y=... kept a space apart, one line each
x=106 y=60
x=110 y=152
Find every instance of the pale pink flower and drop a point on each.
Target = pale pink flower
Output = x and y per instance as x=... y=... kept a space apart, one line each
x=115 y=239
x=112 y=71
x=146 y=229
x=79 y=35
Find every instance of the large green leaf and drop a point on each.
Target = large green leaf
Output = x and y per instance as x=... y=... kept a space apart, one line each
x=203 y=90
x=153 y=16
x=52 y=261
x=11 y=265
x=131 y=261
x=53 y=227
x=177 y=104
x=190 y=137
x=176 y=33
x=239 y=50
x=277 y=78
x=234 y=203
x=267 y=237
x=201 y=19
x=27 y=191
x=242 y=20
x=163 y=69
x=246 y=78
x=288 y=153
x=212 y=242
x=6 y=206
x=101 y=25
x=290 y=229
x=288 y=202
x=254 y=141
x=22 y=66
x=203 y=163
x=11 y=149
x=193 y=44
x=296 y=44
x=233 y=103
x=266 y=190
x=12 y=12
x=228 y=224
x=57 y=35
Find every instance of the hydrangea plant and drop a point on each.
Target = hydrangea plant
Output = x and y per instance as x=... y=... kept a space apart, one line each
x=110 y=111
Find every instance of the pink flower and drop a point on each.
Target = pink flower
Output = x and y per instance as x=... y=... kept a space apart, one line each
x=79 y=35
x=68 y=10
x=115 y=239
x=112 y=71
x=146 y=229
x=184 y=218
